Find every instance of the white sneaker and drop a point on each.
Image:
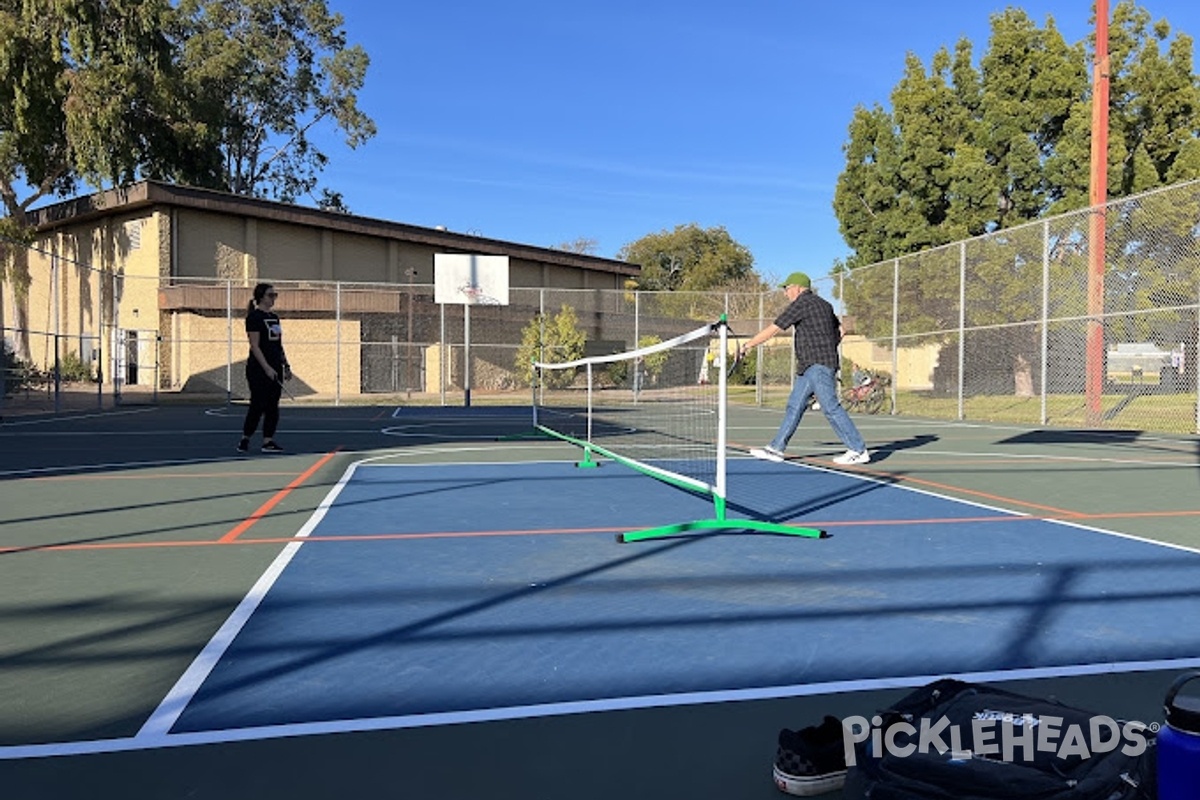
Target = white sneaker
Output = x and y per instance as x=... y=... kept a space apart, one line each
x=853 y=457
x=767 y=453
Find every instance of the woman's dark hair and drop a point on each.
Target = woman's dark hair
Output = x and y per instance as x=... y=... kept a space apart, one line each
x=260 y=290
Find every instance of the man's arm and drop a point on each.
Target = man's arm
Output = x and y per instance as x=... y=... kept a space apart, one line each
x=767 y=333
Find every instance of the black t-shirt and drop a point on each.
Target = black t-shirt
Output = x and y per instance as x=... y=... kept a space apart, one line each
x=270 y=336
x=818 y=331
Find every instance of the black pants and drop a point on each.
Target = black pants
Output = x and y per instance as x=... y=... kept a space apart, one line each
x=264 y=401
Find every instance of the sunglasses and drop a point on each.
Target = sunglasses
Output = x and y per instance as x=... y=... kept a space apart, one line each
x=272 y=294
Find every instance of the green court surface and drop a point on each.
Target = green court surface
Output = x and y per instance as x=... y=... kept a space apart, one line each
x=129 y=537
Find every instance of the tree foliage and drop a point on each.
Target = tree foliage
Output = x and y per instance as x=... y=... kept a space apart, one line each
x=968 y=151
x=266 y=73
x=965 y=151
x=688 y=258
x=217 y=93
x=551 y=340
x=582 y=245
x=88 y=94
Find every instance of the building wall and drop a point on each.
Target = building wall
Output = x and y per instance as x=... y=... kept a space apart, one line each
x=915 y=364
x=104 y=269
x=247 y=250
x=84 y=277
x=324 y=355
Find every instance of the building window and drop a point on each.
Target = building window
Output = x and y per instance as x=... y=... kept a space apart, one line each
x=133 y=234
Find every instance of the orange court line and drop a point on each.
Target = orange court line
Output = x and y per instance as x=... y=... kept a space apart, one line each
x=374 y=537
x=946 y=487
x=247 y=523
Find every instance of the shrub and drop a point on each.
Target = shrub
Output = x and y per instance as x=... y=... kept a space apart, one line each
x=552 y=340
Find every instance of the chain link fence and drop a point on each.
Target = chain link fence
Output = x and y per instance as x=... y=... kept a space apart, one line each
x=1004 y=327
x=1000 y=328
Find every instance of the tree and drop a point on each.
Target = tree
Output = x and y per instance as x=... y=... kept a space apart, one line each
x=552 y=340
x=681 y=269
x=88 y=94
x=266 y=73
x=688 y=258
x=964 y=153
x=582 y=245
x=214 y=93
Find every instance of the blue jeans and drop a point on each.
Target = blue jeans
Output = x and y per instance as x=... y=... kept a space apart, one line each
x=819 y=380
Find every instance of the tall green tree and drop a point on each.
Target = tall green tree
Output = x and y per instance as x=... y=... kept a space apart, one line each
x=963 y=153
x=867 y=198
x=688 y=258
x=87 y=94
x=216 y=93
x=684 y=268
x=267 y=73
x=1032 y=80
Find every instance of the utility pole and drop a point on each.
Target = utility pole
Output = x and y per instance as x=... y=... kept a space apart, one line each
x=1096 y=236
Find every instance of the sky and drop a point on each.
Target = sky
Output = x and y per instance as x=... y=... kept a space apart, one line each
x=550 y=121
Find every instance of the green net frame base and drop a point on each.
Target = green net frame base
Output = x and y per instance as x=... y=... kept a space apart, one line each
x=719 y=522
x=753 y=525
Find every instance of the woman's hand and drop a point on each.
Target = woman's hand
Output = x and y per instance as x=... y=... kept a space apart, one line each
x=287 y=372
x=272 y=374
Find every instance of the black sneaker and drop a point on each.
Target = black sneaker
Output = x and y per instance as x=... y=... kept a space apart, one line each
x=271 y=446
x=811 y=761
x=243 y=445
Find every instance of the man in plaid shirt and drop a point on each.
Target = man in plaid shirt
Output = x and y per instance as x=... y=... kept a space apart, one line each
x=817 y=333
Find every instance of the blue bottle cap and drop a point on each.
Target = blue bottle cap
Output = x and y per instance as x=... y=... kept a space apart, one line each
x=1183 y=713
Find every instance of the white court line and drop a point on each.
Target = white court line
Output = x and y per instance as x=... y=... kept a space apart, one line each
x=73 y=417
x=14 y=752
x=173 y=462
x=1190 y=463
x=160 y=721
x=231 y=435
x=998 y=509
x=155 y=733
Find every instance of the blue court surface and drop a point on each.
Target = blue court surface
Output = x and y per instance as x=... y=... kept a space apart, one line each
x=425 y=594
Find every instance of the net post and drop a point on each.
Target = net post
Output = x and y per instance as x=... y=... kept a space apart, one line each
x=588 y=462
x=578 y=426
x=590 y=410
x=719 y=493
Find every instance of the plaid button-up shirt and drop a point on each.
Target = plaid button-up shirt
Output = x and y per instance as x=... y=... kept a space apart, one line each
x=818 y=331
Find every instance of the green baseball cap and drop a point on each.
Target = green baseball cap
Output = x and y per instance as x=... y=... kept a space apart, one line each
x=797 y=279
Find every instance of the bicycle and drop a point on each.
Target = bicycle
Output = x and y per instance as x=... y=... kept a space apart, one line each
x=867 y=394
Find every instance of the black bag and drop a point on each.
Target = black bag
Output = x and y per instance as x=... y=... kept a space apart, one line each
x=1075 y=754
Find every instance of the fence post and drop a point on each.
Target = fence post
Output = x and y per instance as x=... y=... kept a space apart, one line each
x=466 y=355
x=636 y=318
x=337 y=344
x=962 y=329
x=229 y=341
x=758 y=361
x=56 y=298
x=895 y=329
x=539 y=389
x=98 y=356
x=157 y=363
x=1045 y=316
x=1196 y=366
x=3 y=352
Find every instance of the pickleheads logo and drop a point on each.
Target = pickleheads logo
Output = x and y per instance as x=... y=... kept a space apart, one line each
x=999 y=735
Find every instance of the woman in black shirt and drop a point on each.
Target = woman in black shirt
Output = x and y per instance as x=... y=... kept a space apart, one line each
x=266 y=367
